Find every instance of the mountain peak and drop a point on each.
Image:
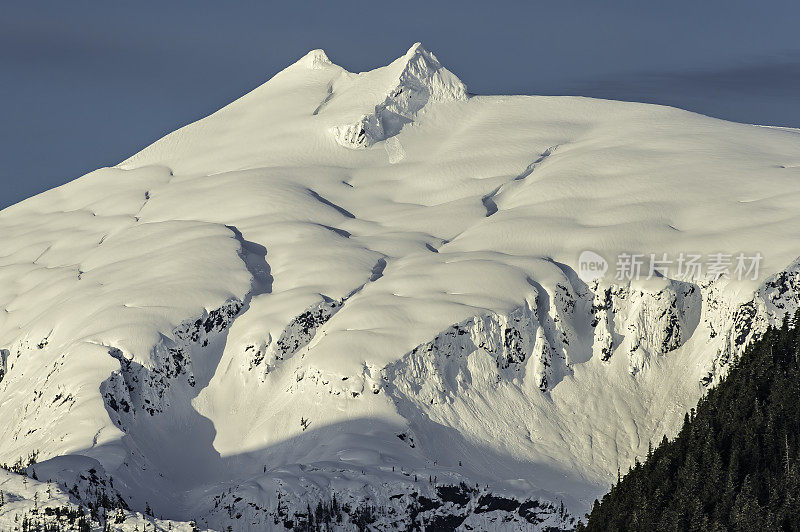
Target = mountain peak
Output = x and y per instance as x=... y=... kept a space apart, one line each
x=415 y=80
x=418 y=49
x=418 y=53
x=315 y=60
x=421 y=67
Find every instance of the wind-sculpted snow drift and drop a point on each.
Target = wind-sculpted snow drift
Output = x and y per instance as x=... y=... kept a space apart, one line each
x=351 y=300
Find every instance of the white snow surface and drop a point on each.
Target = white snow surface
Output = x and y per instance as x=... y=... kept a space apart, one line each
x=391 y=261
x=37 y=501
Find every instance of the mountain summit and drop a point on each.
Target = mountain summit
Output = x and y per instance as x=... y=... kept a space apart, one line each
x=410 y=83
x=315 y=59
x=357 y=296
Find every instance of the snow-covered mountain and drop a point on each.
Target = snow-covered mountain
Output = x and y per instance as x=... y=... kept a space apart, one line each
x=357 y=294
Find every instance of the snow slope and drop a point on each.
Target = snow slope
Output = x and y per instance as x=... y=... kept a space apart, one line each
x=30 y=502
x=364 y=285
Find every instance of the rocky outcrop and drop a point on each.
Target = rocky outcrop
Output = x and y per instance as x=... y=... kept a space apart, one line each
x=136 y=388
x=650 y=323
x=735 y=327
x=3 y=364
x=296 y=335
x=410 y=503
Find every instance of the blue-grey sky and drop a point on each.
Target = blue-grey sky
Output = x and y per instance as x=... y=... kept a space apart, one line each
x=84 y=84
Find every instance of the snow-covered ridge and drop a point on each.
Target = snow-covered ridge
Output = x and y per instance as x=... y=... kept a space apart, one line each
x=297 y=334
x=421 y=80
x=387 y=323
x=136 y=388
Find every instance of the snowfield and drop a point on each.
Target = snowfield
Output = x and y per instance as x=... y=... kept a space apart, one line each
x=356 y=294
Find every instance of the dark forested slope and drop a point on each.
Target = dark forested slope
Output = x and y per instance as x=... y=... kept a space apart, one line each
x=734 y=464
